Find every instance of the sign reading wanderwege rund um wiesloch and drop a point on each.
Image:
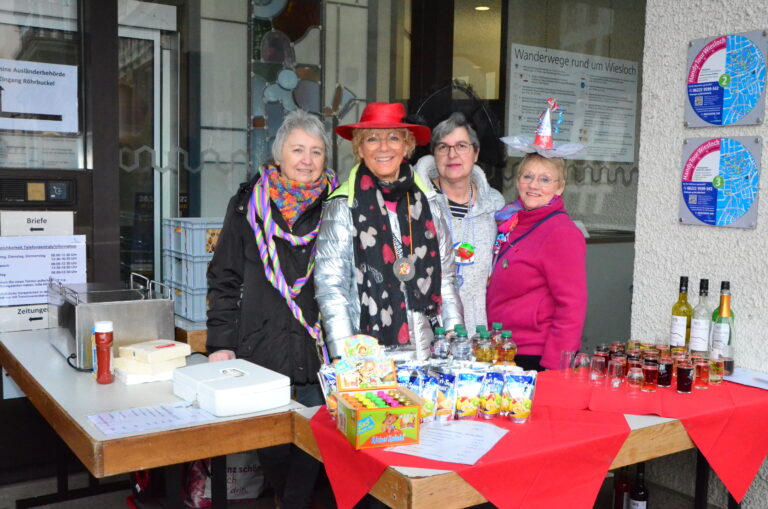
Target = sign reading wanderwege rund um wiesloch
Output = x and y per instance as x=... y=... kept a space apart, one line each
x=38 y=97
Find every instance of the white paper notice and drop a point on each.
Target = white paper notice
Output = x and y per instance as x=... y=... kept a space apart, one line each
x=139 y=420
x=26 y=263
x=748 y=377
x=599 y=95
x=469 y=440
x=38 y=97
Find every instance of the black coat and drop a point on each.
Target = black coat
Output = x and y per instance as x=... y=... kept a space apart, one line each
x=246 y=313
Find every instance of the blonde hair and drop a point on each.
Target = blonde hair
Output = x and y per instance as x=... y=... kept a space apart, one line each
x=359 y=136
x=554 y=163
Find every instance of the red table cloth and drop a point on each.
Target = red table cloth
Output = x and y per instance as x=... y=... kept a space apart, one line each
x=559 y=458
x=726 y=422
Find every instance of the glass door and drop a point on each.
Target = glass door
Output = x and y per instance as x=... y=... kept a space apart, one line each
x=146 y=93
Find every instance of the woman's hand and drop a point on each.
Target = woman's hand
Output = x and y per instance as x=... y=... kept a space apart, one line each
x=221 y=355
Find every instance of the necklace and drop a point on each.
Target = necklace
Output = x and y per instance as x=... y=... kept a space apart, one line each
x=464 y=252
x=403 y=267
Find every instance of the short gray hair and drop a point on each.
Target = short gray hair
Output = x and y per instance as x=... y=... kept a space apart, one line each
x=300 y=119
x=448 y=125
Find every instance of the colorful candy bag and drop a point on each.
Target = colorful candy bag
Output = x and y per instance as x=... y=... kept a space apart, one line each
x=412 y=374
x=327 y=378
x=519 y=389
x=446 y=396
x=490 y=402
x=468 y=383
x=429 y=395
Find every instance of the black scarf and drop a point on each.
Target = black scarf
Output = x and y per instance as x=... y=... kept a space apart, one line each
x=382 y=295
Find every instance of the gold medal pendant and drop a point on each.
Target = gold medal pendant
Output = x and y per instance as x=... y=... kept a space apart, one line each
x=404 y=269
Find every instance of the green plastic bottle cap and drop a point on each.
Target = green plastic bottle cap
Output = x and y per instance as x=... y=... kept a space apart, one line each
x=480 y=328
x=506 y=334
x=496 y=325
x=485 y=334
x=439 y=330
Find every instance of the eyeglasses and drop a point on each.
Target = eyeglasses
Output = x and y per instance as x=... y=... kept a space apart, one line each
x=461 y=147
x=390 y=139
x=543 y=180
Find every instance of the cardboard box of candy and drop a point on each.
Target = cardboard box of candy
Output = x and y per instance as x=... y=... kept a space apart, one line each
x=379 y=418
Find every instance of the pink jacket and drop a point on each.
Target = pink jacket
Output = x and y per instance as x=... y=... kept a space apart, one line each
x=538 y=288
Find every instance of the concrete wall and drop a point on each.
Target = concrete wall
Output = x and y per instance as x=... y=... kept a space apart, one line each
x=665 y=249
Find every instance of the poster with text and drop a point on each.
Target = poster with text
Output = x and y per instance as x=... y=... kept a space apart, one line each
x=26 y=263
x=719 y=184
x=38 y=97
x=726 y=80
x=599 y=95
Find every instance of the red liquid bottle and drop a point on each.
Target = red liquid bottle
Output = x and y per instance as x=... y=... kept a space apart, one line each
x=103 y=339
x=621 y=490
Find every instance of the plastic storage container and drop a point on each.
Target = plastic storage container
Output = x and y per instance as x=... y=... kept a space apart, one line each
x=189 y=303
x=193 y=236
x=186 y=270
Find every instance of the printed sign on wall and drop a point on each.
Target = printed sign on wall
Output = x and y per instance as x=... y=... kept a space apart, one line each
x=726 y=80
x=38 y=97
x=599 y=95
x=719 y=184
x=26 y=263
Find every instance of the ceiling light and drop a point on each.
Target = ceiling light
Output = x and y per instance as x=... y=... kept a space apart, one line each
x=482 y=8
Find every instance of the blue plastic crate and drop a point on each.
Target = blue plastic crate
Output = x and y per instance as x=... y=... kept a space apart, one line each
x=187 y=270
x=189 y=303
x=194 y=236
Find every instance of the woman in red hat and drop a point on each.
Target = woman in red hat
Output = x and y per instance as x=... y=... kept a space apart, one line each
x=384 y=263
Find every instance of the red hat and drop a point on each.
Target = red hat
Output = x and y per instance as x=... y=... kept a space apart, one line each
x=385 y=116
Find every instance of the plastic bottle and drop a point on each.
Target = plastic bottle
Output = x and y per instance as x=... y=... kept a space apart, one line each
x=507 y=349
x=461 y=348
x=103 y=339
x=475 y=339
x=441 y=346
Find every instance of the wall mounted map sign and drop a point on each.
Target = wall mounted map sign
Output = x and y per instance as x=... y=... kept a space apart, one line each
x=719 y=184
x=38 y=97
x=726 y=80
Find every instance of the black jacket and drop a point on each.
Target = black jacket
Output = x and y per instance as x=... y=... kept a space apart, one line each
x=246 y=313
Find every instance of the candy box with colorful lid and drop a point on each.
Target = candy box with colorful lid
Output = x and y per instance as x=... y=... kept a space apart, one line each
x=232 y=387
x=379 y=418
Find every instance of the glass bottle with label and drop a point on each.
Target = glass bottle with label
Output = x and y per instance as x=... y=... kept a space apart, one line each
x=682 y=312
x=638 y=495
x=701 y=321
x=621 y=489
x=722 y=330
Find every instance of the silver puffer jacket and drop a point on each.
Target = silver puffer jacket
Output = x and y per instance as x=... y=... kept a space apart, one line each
x=335 y=285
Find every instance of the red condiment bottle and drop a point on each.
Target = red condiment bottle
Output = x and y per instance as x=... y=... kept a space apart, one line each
x=103 y=339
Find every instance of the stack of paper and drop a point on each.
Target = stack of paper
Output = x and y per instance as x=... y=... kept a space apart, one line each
x=150 y=361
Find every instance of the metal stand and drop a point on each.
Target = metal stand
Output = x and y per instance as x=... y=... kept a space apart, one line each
x=63 y=493
x=702 y=481
x=219 y=482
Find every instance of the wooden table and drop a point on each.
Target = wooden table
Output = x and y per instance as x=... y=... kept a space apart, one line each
x=66 y=397
x=405 y=487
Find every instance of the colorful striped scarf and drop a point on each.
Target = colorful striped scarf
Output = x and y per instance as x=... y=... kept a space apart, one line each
x=267 y=229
